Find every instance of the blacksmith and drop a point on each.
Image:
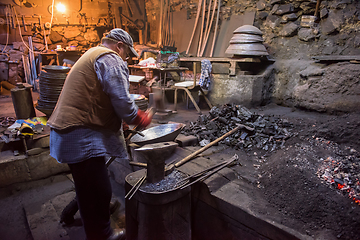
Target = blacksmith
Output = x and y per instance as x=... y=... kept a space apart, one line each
x=86 y=123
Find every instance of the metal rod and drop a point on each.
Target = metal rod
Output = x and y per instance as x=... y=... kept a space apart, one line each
x=138 y=186
x=135 y=186
x=235 y=157
x=202 y=172
x=139 y=164
x=109 y=161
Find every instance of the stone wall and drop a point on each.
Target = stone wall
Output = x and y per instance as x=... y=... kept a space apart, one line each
x=289 y=36
x=300 y=81
x=292 y=39
x=80 y=27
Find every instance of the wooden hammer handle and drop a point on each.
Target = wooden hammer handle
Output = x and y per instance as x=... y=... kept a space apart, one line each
x=181 y=162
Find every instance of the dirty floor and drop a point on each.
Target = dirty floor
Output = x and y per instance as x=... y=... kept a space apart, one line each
x=290 y=180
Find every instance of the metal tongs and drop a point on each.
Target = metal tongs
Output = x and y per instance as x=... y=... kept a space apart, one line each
x=136 y=187
x=201 y=176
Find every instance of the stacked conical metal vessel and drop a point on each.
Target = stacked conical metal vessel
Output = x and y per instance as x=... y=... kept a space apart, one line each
x=247 y=40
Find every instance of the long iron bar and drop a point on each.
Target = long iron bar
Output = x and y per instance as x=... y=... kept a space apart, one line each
x=234 y=158
x=202 y=172
x=136 y=187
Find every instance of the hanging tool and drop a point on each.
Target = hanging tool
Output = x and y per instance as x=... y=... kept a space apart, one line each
x=11 y=20
x=195 y=25
x=206 y=27
x=139 y=23
x=201 y=28
x=207 y=32
x=160 y=23
x=216 y=28
x=23 y=20
x=316 y=14
x=138 y=6
x=131 y=13
x=43 y=27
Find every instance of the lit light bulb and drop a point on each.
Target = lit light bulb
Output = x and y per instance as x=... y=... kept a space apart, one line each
x=60 y=7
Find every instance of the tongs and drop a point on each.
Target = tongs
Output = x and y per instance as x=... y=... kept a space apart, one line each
x=201 y=176
x=136 y=187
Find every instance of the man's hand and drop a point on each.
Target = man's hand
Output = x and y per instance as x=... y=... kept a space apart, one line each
x=143 y=119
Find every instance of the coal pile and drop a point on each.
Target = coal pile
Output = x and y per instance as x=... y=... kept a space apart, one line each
x=264 y=132
x=170 y=182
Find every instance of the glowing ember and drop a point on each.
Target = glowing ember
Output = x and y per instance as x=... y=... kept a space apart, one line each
x=337 y=173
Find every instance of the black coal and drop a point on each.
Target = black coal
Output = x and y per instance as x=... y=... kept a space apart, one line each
x=269 y=133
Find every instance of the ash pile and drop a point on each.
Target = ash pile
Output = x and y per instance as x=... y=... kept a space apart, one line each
x=264 y=132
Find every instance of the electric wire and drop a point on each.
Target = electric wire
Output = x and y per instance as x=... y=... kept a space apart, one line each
x=52 y=13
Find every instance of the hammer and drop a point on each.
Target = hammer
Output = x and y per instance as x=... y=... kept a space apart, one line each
x=149 y=111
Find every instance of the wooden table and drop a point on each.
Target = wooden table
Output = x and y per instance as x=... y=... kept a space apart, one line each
x=162 y=77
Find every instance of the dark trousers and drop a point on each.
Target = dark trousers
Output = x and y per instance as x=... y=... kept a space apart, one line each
x=93 y=192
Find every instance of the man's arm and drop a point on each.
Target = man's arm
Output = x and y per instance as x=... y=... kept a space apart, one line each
x=113 y=75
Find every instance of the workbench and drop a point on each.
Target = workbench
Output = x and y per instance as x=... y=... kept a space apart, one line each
x=162 y=71
x=162 y=78
x=233 y=61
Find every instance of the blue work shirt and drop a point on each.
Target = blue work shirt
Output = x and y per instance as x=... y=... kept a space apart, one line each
x=77 y=144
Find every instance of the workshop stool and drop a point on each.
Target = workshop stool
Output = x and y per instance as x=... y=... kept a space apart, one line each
x=188 y=87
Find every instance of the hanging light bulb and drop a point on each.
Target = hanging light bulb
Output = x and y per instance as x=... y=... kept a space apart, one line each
x=60 y=7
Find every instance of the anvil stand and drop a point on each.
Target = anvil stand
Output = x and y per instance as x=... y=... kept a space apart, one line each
x=157 y=215
x=155 y=155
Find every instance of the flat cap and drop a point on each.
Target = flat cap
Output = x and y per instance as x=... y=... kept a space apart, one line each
x=119 y=34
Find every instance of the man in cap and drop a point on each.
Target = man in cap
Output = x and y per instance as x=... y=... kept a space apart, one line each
x=86 y=122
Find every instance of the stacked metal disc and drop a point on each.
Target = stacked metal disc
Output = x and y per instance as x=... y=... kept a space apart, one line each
x=247 y=40
x=140 y=100
x=51 y=82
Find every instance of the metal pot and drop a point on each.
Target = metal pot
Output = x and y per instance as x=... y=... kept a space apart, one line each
x=256 y=49
x=249 y=29
x=246 y=38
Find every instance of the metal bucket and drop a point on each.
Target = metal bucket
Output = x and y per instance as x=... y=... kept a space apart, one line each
x=23 y=102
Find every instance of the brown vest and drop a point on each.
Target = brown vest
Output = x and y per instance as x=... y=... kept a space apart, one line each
x=82 y=101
